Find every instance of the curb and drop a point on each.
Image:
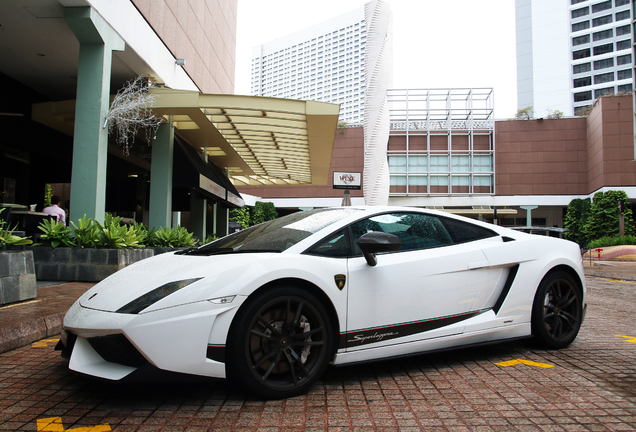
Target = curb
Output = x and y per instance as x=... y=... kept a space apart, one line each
x=27 y=332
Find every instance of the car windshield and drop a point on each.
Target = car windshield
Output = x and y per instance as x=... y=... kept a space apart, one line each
x=275 y=235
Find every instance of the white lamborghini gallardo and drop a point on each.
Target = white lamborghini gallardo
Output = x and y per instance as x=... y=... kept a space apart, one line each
x=271 y=306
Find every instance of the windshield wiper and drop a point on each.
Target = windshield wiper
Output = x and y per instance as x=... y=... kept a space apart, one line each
x=204 y=251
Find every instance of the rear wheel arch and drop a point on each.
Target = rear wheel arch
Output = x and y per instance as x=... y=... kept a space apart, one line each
x=558 y=308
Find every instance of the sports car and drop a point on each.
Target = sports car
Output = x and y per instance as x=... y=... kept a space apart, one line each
x=269 y=307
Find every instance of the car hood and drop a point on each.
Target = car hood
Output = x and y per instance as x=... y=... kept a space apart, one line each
x=217 y=276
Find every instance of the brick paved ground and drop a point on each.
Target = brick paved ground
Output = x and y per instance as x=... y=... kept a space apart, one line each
x=592 y=387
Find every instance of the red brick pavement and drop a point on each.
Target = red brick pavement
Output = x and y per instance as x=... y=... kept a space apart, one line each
x=592 y=387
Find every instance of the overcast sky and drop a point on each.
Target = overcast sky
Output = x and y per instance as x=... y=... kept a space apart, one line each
x=436 y=43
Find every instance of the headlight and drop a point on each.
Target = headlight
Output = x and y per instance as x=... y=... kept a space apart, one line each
x=141 y=303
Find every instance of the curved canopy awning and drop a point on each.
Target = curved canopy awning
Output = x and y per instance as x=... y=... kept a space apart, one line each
x=258 y=140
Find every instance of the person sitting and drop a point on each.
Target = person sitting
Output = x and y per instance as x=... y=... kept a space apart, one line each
x=55 y=210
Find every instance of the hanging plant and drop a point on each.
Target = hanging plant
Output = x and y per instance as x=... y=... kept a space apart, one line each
x=129 y=112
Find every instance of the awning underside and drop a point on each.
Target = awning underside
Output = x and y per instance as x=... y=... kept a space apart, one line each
x=265 y=141
x=260 y=141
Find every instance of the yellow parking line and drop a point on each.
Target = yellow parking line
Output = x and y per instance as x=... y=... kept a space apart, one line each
x=525 y=362
x=54 y=424
x=630 y=339
x=43 y=343
x=610 y=280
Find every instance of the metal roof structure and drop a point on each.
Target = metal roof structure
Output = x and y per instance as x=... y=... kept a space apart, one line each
x=259 y=140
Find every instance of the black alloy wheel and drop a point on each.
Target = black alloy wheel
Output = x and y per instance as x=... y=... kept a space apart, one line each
x=557 y=312
x=279 y=344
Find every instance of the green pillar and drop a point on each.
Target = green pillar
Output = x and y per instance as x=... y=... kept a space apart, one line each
x=90 y=144
x=528 y=210
x=161 y=177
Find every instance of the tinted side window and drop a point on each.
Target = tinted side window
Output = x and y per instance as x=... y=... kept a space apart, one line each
x=416 y=231
x=464 y=232
x=334 y=246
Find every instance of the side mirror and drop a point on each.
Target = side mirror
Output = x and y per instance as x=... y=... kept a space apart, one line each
x=375 y=242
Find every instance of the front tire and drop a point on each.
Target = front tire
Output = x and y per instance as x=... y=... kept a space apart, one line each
x=557 y=311
x=279 y=343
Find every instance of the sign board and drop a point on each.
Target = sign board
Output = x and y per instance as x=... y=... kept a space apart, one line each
x=209 y=186
x=234 y=199
x=347 y=180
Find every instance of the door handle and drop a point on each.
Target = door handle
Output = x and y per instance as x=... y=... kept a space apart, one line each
x=477 y=265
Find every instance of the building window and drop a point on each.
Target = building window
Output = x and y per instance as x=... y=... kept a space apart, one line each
x=418 y=180
x=439 y=180
x=482 y=181
x=622 y=15
x=618 y=3
x=602 y=6
x=397 y=163
x=623 y=74
x=461 y=181
x=604 y=91
x=581 y=54
x=581 y=40
x=418 y=164
x=582 y=110
x=603 y=78
x=605 y=34
x=482 y=163
x=397 y=181
x=602 y=64
x=580 y=12
x=439 y=163
x=624 y=44
x=580 y=26
x=573 y=2
x=622 y=30
x=601 y=20
x=624 y=59
x=583 y=96
x=582 y=82
x=580 y=68
x=460 y=164
x=627 y=88
x=603 y=49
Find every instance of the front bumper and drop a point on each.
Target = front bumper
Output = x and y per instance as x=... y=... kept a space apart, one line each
x=113 y=345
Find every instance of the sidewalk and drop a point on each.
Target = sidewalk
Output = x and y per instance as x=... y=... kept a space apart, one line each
x=30 y=321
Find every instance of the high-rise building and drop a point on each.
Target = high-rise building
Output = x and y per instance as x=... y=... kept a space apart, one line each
x=571 y=52
x=324 y=62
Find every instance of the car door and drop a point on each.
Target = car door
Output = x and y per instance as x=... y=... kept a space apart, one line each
x=425 y=289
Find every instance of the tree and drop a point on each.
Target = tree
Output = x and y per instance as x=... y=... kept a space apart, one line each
x=603 y=215
x=526 y=113
x=269 y=211
x=555 y=114
x=241 y=215
x=575 y=218
x=129 y=112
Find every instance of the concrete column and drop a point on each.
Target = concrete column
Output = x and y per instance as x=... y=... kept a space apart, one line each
x=161 y=177
x=528 y=210
x=90 y=144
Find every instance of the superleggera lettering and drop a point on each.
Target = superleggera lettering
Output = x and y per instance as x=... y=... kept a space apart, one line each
x=376 y=336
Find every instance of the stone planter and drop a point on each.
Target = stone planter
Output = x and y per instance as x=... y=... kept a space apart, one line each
x=17 y=276
x=85 y=265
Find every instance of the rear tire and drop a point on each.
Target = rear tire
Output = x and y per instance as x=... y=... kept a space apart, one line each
x=557 y=311
x=279 y=343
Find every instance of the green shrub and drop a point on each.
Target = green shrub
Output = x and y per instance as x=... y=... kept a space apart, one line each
x=612 y=241
x=55 y=234
x=7 y=238
x=171 y=237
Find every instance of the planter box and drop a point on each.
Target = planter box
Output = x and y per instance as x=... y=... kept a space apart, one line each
x=17 y=276
x=85 y=265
